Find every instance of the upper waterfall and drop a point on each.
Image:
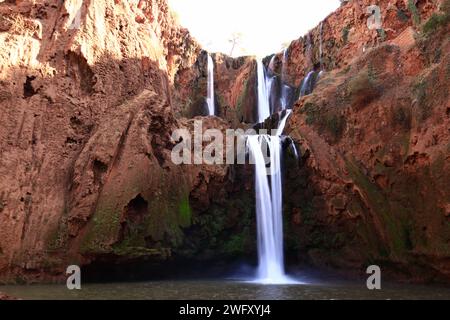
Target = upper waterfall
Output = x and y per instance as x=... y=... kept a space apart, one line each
x=210 y=98
x=263 y=93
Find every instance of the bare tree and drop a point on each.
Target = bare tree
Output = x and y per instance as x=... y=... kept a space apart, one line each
x=235 y=40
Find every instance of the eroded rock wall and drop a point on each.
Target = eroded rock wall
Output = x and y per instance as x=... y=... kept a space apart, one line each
x=344 y=35
x=88 y=106
x=373 y=188
x=91 y=91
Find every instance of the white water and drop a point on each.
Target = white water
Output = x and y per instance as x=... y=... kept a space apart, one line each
x=268 y=209
x=284 y=64
x=269 y=204
x=282 y=123
x=284 y=88
x=263 y=93
x=266 y=150
x=306 y=86
x=272 y=63
x=210 y=98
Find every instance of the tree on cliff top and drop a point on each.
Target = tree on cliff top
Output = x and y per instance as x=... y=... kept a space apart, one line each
x=235 y=40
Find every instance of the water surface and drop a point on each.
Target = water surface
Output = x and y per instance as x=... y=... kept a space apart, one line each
x=232 y=290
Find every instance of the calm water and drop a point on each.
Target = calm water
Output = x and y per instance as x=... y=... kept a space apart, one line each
x=233 y=290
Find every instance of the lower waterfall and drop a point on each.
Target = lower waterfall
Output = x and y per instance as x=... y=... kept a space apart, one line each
x=269 y=204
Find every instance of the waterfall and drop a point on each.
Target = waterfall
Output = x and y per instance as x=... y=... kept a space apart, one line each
x=210 y=98
x=282 y=122
x=263 y=93
x=272 y=63
x=265 y=150
x=284 y=88
x=268 y=208
x=284 y=65
x=307 y=85
x=269 y=204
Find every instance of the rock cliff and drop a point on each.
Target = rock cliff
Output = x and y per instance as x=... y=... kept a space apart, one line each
x=375 y=141
x=87 y=111
x=91 y=92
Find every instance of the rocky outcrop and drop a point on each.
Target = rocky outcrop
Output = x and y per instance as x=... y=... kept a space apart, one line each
x=88 y=109
x=344 y=35
x=234 y=84
x=375 y=137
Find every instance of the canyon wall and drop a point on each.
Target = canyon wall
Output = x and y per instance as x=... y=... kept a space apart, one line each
x=375 y=139
x=88 y=102
x=91 y=92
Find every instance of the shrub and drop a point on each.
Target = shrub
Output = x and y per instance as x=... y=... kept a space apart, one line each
x=401 y=116
x=414 y=12
x=435 y=22
x=335 y=125
x=345 y=33
x=326 y=120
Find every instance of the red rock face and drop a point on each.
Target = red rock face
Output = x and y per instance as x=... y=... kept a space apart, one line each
x=87 y=117
x=234 y=85
x=90 y=93
x=344 y=35
x=375 y=140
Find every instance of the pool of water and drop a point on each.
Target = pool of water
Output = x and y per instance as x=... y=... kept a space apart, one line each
x=226 y=289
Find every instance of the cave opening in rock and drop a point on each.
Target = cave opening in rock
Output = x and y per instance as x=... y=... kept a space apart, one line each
x=99 y=169
x=134 y=213
x=28 y=90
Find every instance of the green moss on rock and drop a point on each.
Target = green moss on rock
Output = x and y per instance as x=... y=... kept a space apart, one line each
x=185 y=212
x=330 y=121
x=415 y=15
x=435 y=22
x=393 y=227
x=345 y=34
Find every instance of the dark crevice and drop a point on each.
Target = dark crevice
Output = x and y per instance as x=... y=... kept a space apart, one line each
x=99 y=169
x=28 y=90
x=79 y=69
x=133 y=216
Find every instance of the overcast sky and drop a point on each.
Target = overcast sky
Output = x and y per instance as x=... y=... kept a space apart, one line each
x=264 y=25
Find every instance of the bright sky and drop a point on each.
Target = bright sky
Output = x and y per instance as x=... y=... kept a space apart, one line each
x=265 y=25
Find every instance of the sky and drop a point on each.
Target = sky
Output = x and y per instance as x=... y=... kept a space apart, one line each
x=265 y=26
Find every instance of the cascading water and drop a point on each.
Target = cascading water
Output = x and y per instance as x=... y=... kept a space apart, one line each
x=269 y=196
x=284 y=88
x=269 y=204
x=307 y=85
x=282 y=123
x=210 y=97
x=268 y=184
x=268 y=209
x=272 y=63
x=284 y=64
x=263 y=93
